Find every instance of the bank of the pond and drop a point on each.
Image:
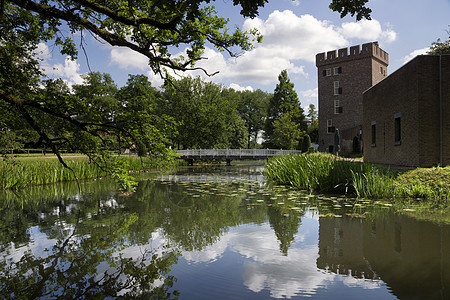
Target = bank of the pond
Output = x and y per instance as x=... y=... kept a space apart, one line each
x=22 y=172
x=326 y=173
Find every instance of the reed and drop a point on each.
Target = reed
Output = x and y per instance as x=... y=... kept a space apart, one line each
x=317 y=172
x=18 y=173
x=326 y=173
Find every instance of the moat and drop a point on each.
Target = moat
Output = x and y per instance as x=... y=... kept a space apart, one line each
x=214 y=233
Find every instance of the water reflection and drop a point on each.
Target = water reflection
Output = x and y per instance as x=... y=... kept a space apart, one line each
x=214 y=233
x=412 y=257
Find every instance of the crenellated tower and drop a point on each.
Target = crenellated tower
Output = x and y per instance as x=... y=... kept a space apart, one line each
x=343 y=76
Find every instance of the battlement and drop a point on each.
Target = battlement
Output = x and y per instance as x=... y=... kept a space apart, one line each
x=354 y=52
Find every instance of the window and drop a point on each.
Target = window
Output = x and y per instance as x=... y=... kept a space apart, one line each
x=327 y=72
x=374 y=133
x=337 y=107
x=337 y=88
x=330 y=127
x=398 y=129
x=337 y=70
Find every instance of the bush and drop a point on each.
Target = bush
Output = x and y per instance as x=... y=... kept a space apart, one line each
x=306 y=144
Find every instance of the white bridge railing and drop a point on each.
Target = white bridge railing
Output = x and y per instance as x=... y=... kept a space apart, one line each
x=234 y=153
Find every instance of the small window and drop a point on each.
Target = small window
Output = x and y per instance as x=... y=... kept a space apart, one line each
x=398 y=129
x=337 y=70
x=330 y=127
x=326 y=72
x=337 y=88
x=374 y=134
x=331 y=149
x=337 y=107
x=381 y=70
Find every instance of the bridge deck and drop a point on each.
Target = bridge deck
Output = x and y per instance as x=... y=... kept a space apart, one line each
x=233 y=154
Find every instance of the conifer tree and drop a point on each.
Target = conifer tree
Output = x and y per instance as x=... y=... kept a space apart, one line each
x=284 y=101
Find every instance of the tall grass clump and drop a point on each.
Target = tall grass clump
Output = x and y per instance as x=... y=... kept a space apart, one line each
x=373 y=184
x=327 y=173
x=18 y=173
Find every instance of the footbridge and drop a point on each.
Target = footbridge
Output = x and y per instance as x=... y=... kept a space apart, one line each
x=231 y=154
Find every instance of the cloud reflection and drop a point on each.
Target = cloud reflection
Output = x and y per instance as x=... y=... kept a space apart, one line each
x=266 y=268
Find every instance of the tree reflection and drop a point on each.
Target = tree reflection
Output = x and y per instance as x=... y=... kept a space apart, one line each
x=83 y=265
x=99 y=239
x=193 y=223
x=285 y=224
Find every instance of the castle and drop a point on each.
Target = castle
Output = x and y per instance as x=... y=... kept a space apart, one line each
x=343 y=76
x=403 y=117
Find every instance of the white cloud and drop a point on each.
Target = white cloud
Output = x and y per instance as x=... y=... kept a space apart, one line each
x=42 y=52
x=290 y=42
x=309 y=97
x=69 y=71
x=155 y=79
x=367 y=30
x=287 y=39
x=292 y=37
x=237 y=87
x=126 y=58
x=413 y=54
x=314 y=93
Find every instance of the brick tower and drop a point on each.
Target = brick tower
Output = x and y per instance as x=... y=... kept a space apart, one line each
x=342 y=79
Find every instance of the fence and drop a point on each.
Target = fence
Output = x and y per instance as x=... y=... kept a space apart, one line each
x=234 y=153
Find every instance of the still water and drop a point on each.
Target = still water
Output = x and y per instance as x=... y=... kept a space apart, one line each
x=214 y=233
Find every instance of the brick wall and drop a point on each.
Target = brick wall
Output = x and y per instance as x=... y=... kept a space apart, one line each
x=413 y=92
x=428 y=113
x=446 y=108
x=381 y=102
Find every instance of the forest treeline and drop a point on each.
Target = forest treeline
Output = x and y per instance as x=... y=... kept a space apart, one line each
x=186 y=113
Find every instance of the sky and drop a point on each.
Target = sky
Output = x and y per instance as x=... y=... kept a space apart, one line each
x=294 y=32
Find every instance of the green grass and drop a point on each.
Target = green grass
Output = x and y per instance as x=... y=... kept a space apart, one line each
x=326 y=173
x=22 y=172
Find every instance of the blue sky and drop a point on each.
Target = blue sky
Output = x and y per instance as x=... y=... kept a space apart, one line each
x=294 y=31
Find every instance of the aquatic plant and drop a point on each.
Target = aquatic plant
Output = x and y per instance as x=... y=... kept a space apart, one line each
x=327 y=173
x=18 y=172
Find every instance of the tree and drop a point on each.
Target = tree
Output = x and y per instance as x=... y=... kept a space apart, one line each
x=252 y=108
x=312 y=113
x=152 y=28
x=313 y=128
x=97 y=96
x=286 y=132
x=206 y=113
x=439 y=47
x=284 y=102
x=351 y=7
x=313 y=131
x=138 y=114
